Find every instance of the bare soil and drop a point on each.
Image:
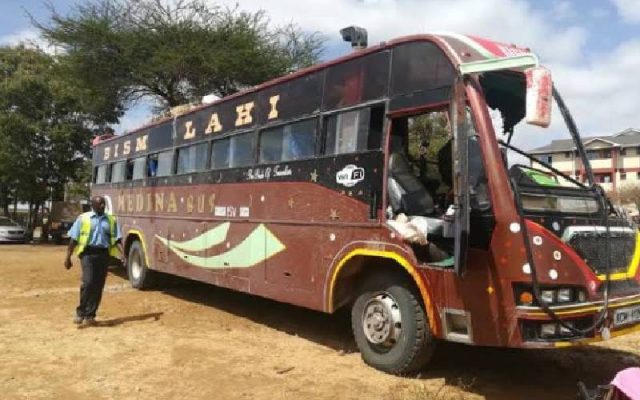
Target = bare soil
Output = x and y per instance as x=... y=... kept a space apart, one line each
x=190 y=340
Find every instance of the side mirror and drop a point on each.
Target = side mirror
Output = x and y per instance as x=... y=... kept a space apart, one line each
x=539 y=96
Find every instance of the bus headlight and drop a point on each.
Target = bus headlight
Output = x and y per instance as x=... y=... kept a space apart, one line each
x=565 y=328
x=565 y=295
x=548 y=330
x=548 y=296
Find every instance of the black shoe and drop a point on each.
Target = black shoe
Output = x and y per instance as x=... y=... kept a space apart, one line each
x=78 y=320
x=90 y=321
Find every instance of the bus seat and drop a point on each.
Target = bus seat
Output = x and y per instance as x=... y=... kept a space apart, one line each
x=406 y=193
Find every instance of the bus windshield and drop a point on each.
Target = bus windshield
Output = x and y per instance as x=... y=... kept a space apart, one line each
x=543 y=162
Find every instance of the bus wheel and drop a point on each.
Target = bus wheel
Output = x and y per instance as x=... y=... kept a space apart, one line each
x=140 y=276
x=390 y=326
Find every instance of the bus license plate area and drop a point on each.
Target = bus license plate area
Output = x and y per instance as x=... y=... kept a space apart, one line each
x=626 y=316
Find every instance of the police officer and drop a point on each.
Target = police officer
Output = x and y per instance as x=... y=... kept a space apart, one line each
x=95 y=237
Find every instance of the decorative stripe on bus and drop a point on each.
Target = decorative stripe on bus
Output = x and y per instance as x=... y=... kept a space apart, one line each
x=260 y=245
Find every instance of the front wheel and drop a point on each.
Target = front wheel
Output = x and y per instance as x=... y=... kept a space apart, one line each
x=140 y=276
x=390 y=326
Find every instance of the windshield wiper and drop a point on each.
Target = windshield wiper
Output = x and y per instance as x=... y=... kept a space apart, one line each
x=544 y=164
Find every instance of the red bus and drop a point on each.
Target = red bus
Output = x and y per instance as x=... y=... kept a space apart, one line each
x=305 y=190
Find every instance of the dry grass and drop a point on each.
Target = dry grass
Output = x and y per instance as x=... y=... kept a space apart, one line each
x=433 y=391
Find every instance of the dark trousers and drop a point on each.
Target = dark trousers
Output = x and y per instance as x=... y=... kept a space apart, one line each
x=94 y=275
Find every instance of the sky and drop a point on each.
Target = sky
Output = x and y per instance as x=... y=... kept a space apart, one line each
x=591 y=46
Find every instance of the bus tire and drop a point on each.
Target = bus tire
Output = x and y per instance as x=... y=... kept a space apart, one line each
x=390 y=326
x=140 y=276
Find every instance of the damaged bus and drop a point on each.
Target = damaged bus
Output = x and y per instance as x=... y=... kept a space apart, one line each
x=319 y=190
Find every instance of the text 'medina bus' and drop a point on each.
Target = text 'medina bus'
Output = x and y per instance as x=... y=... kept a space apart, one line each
x=308 y=190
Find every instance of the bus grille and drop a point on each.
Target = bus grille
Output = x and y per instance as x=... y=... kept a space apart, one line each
x=590 y=244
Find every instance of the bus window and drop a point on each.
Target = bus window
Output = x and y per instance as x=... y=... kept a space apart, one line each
x=289 y=142
x=152 y=165
x=353 y=131
x=139 y=165
x=101 y=174
x=242 y=150
x=165 y=163
x=129 y=170
x=192 y=158
x=220 y=154
x=118 y=171
x=357 y=81
x=419 y=67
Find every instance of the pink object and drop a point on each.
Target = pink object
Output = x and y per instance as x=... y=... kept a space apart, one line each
x=539 y=96
x=628 y=382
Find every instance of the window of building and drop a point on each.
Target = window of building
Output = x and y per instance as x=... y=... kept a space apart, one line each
x=623 y=151
x=220 y=154
x=623 y=176
x=192 y=158
x=164 y=163
x=119 y=171
x=549 y=159
x=353 y=131
x=638 y=176
x=567 y=154
x=606 y=178
x=288 y=142
x=242 y=149
x=598 y=154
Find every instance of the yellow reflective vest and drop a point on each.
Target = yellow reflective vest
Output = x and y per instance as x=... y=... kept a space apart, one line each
x=85 y=230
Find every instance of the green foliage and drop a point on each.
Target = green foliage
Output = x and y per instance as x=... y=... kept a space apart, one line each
x=43 y=135
x=433 y=128
x=119 y=51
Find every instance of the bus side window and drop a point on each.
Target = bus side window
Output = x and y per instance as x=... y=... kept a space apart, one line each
x=152 y=165
x=293 y=141
x=220 y=154
x=243 y=149
x=192 y=158
x=139 y=167
x=129 y=170
x=101 y=174
x=165 y=163
x=118 y=171
x=356 y=130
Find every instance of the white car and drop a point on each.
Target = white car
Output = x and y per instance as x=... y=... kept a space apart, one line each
x=11 y=232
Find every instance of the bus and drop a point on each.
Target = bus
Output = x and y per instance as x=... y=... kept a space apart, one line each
x=308 y=190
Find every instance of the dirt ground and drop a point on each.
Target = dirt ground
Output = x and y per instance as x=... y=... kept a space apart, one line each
x=190 y=340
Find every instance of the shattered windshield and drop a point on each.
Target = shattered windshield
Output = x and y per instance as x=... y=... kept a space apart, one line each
x=543 y=162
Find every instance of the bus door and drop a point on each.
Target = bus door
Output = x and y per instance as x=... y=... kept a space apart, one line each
x=462 y=127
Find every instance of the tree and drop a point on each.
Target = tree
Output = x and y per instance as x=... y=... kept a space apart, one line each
x=174 y=52
x=44 y=135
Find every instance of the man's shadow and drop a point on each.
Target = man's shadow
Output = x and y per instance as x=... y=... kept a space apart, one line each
x=108 y=323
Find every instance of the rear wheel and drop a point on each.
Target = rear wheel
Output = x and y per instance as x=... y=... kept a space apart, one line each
x=390 y=325
x=140 y=276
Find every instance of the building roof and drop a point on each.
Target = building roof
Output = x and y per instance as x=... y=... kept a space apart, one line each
x=629 y=137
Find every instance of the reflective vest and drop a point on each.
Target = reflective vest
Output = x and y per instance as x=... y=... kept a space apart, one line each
x=85 y=230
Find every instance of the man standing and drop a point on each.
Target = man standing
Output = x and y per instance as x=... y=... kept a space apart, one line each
x=95 y=237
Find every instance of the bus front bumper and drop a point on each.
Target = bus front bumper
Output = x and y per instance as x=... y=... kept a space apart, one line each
x=538 y=330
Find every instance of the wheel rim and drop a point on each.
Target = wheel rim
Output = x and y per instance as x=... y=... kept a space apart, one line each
x=136 y=266
x=382 y=321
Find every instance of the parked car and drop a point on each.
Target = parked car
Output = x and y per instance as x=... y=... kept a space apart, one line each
x=60 y=219
x=11 y=231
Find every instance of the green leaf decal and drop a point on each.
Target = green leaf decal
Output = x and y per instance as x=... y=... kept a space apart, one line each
x=260 y=245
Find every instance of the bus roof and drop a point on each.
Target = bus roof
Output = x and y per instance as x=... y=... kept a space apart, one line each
x=468 y=54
